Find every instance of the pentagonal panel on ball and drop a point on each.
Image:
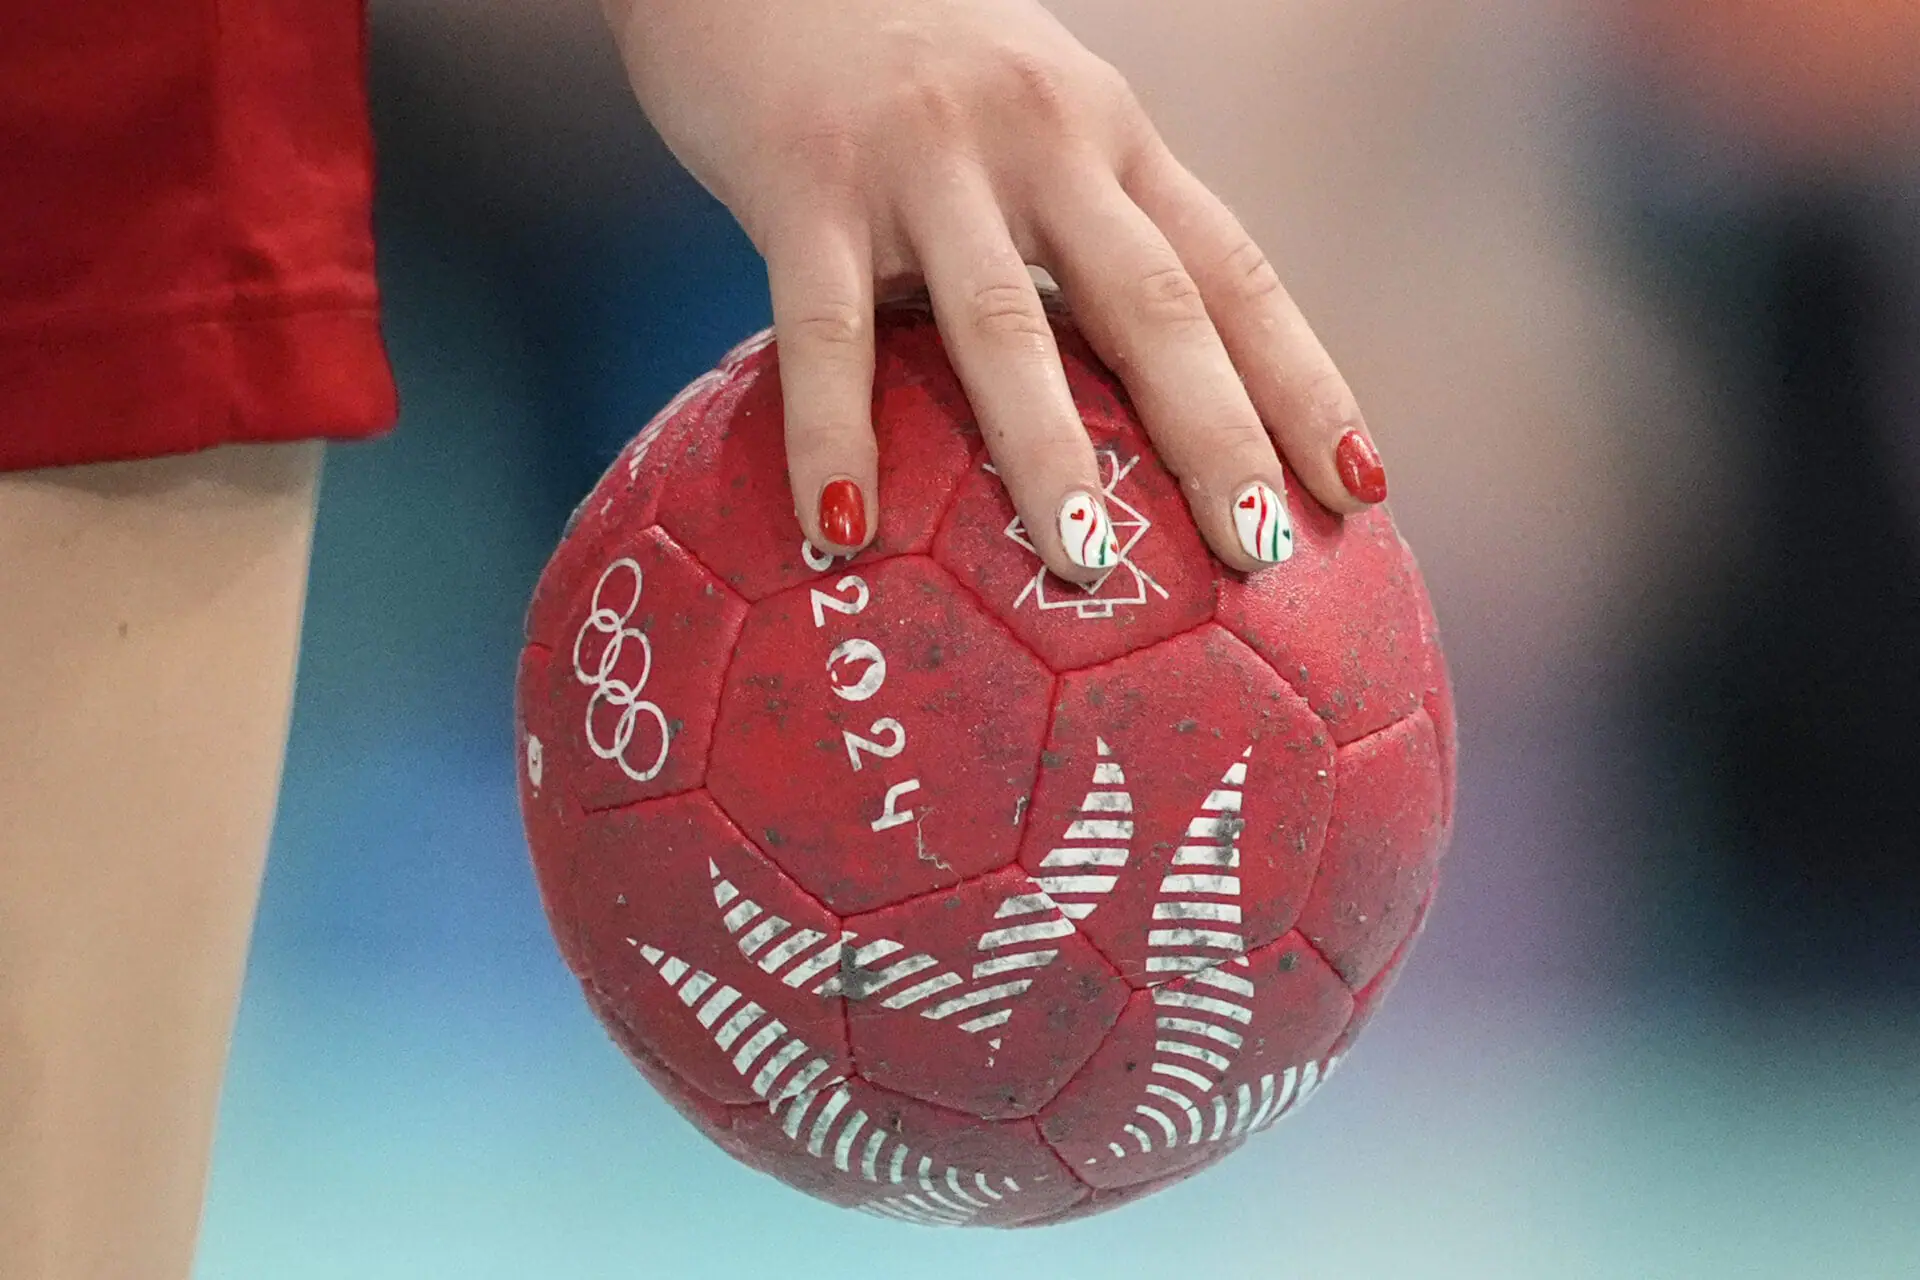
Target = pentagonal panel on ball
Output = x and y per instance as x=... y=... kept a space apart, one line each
x=1212 y=1058
x=879 y=734
x=1162 y=585
x=720 y=966
x=634 y=681
x=626 y=499
x=730 y=501
x=1339 y=621
x=1181 y=804
x=980 y=997
x=1382 y=843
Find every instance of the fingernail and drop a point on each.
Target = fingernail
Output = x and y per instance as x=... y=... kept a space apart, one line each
x=843 y=513
x=1260 y=517
x=1360 y=468
x=1086 y=534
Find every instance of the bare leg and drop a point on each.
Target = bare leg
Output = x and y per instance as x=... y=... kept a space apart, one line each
x=149 y=622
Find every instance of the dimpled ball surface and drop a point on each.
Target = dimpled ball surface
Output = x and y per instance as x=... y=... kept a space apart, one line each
x=937 y=887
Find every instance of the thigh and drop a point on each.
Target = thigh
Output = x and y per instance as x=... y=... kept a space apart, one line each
x=149 y=623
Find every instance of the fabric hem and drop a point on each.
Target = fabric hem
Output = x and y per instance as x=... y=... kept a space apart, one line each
x=68 y=398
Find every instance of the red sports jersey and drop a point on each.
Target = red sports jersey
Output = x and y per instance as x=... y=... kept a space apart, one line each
x=186 y=253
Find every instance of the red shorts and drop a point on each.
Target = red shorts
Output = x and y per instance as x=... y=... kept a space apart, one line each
x=186 y=252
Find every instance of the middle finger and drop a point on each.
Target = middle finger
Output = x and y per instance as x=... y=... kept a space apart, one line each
x=1002 y=346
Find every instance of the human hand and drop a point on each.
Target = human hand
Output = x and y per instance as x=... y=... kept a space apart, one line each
x=871 y=146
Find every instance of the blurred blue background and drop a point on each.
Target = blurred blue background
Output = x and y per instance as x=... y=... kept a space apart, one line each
x=1643 y=371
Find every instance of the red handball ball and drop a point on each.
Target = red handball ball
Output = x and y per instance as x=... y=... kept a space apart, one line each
x=938 y=887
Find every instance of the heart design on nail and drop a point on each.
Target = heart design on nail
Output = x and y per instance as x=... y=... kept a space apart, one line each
x=1260 y=518
x=1085 y=535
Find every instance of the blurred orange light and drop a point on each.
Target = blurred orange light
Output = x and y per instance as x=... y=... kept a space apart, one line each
x=1800 y=74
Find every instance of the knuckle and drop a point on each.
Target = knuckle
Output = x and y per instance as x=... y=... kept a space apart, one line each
x=831 y=152
x=1009 y=312
x=1111 y=88
x=1041 y=89
x=1237 y=438
x=934 y=104
x=1250 y=273
x=1165 y=296
x=836 y=326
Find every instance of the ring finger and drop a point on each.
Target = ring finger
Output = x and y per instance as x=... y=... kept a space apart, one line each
x=1144 y=314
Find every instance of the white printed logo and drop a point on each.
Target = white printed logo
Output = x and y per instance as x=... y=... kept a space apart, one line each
x=605 y=675
x=1125 y=584
x=1203 y=997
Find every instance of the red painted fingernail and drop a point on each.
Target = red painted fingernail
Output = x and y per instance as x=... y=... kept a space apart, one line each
x=1360 y=468
x=843 y=513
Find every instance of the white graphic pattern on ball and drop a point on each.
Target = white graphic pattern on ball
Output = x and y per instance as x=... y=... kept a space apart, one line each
x=612 y=623
x=1201 y=1023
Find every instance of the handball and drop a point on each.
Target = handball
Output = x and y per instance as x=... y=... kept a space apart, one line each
x=941 y=888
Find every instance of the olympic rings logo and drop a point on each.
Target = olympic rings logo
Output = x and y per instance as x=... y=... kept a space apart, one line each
x=605 y=676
